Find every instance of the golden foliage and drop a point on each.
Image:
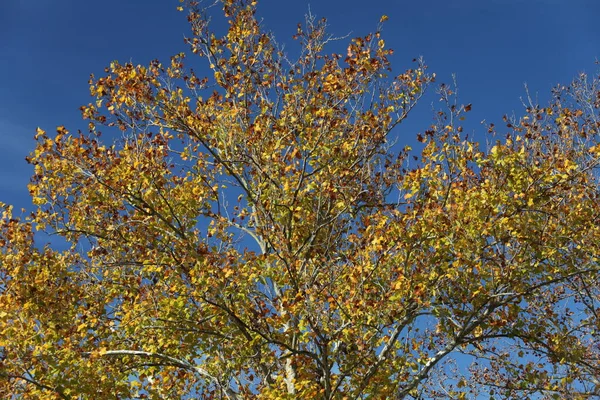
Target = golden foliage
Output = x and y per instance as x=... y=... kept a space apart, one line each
x=255 y=234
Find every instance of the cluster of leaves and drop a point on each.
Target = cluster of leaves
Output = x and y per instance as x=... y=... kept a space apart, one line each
x=253 y=234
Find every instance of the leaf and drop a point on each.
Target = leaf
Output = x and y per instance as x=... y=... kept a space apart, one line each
x=263 y=232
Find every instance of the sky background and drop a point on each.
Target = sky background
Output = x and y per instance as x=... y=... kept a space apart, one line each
x=48 y=48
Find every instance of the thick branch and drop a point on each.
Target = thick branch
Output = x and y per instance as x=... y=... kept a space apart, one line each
x=35 y=383
x=175 y=362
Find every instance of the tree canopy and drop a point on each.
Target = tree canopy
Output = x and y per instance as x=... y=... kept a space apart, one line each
x=260 y=233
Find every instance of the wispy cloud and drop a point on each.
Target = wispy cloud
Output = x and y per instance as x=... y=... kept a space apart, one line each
x=16 y=142
x=15 y=137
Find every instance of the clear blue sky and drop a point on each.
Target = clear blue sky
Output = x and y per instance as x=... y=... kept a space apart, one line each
x=48 y=49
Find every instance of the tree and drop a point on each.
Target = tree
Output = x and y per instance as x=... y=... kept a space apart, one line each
x=258 y=234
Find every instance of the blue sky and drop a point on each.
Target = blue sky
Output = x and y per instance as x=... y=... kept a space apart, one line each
x=49 y=48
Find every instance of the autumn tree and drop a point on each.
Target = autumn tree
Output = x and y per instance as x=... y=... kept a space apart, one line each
x=259 y=233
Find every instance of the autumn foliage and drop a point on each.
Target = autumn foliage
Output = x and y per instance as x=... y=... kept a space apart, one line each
x=260 y=233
